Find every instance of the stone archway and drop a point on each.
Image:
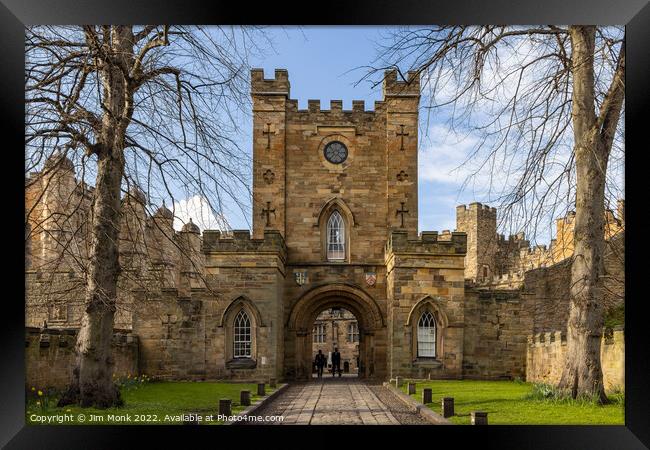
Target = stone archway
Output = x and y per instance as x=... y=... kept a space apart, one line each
x=372 y=329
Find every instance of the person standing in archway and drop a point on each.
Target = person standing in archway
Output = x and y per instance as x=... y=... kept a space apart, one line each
x=320 y=362
x=336 y=362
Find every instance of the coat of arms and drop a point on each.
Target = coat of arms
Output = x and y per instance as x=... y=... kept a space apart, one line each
x=371 y=278
x=301 y=277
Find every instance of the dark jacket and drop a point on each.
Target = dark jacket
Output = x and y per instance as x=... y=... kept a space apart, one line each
x=336 y=359
x=320 y=360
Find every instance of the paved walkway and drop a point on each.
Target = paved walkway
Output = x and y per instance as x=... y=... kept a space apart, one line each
x=338 y=401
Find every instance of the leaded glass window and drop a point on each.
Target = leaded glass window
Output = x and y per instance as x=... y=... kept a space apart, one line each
x=242 y=339
x=319 y=333
x=336 y=152
x=353 y=332
x=427 y=336
x=335 y=237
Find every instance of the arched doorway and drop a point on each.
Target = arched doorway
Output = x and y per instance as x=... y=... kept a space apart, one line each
x=303 y=314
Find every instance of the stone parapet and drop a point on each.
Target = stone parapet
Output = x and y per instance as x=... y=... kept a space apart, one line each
x=240 y=241
x=427 y=242
x=314 y=109
x=546 y=354
x=394 y=87
x=50 y=355
x=279 y=85
x=478 y=207
x=511 y=280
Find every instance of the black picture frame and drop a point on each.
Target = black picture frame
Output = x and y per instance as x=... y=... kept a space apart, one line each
x=635 y=14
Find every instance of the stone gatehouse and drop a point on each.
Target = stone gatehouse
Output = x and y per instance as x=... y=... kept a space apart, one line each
x=335 y=226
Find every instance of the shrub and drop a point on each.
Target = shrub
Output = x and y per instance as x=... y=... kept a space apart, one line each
x=615 y=316
x=617 y=395
x=548 y=392
x=129 y=382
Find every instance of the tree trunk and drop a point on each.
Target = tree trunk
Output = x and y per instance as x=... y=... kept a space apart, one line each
x=582 y=374
x=92 y=383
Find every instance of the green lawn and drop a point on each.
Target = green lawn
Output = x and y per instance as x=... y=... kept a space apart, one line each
x=506 y=404
x=149 y=401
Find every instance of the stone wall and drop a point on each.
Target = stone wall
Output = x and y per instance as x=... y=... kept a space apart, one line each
x=425 y=274
x=549 y=287
x=56 y=299
x=49 y=356
x=188 y=334
x=496 y=325
x=547 y=351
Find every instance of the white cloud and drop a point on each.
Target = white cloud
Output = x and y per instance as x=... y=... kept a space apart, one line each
x=198 y=209
x=442 y=159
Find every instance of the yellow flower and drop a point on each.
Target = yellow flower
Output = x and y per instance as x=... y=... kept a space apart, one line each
x=40 y=393
x=33 y=389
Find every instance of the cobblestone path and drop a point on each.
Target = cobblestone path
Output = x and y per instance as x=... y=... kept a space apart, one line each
x=339 y=401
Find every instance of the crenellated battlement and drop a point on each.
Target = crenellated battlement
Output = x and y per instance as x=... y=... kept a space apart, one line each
x=336 y=107
x=518 y=240
x=240 y=241
x=477 y=207
x=546 y=338
x=427 y=242
x=491 y=253
x=509 y=280
x=394 y=87
x=279 y=85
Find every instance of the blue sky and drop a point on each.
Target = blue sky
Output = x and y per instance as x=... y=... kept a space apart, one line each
x=321 y=62
x=324 y=63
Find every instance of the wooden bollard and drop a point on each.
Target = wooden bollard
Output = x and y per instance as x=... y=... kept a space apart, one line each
x=273 y=382
x=411 y=388
x=245 y=398
x=225 y=407
x=260 y=389
x=479 y=418
x=427 y=396
x=447 y=407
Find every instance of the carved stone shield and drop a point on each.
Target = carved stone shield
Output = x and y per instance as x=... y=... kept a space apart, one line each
x=371 y=278
x=301 y=277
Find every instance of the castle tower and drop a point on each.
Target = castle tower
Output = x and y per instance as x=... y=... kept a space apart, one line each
x=133 y=248
x=58 y=185
x=191 y=265
x=402 y=99
x=269 y=151
x=480 y=223
x=163 y=251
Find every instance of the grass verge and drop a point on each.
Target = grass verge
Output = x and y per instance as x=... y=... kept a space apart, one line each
x=518 y=403
x=147 y=403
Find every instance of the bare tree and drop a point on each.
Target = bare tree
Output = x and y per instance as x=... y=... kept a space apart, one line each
x=546 y=102
x=150 y=108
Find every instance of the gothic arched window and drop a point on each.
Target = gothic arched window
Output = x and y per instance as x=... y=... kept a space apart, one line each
x=242 y=339
x=427 y=335
x=335 y=237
